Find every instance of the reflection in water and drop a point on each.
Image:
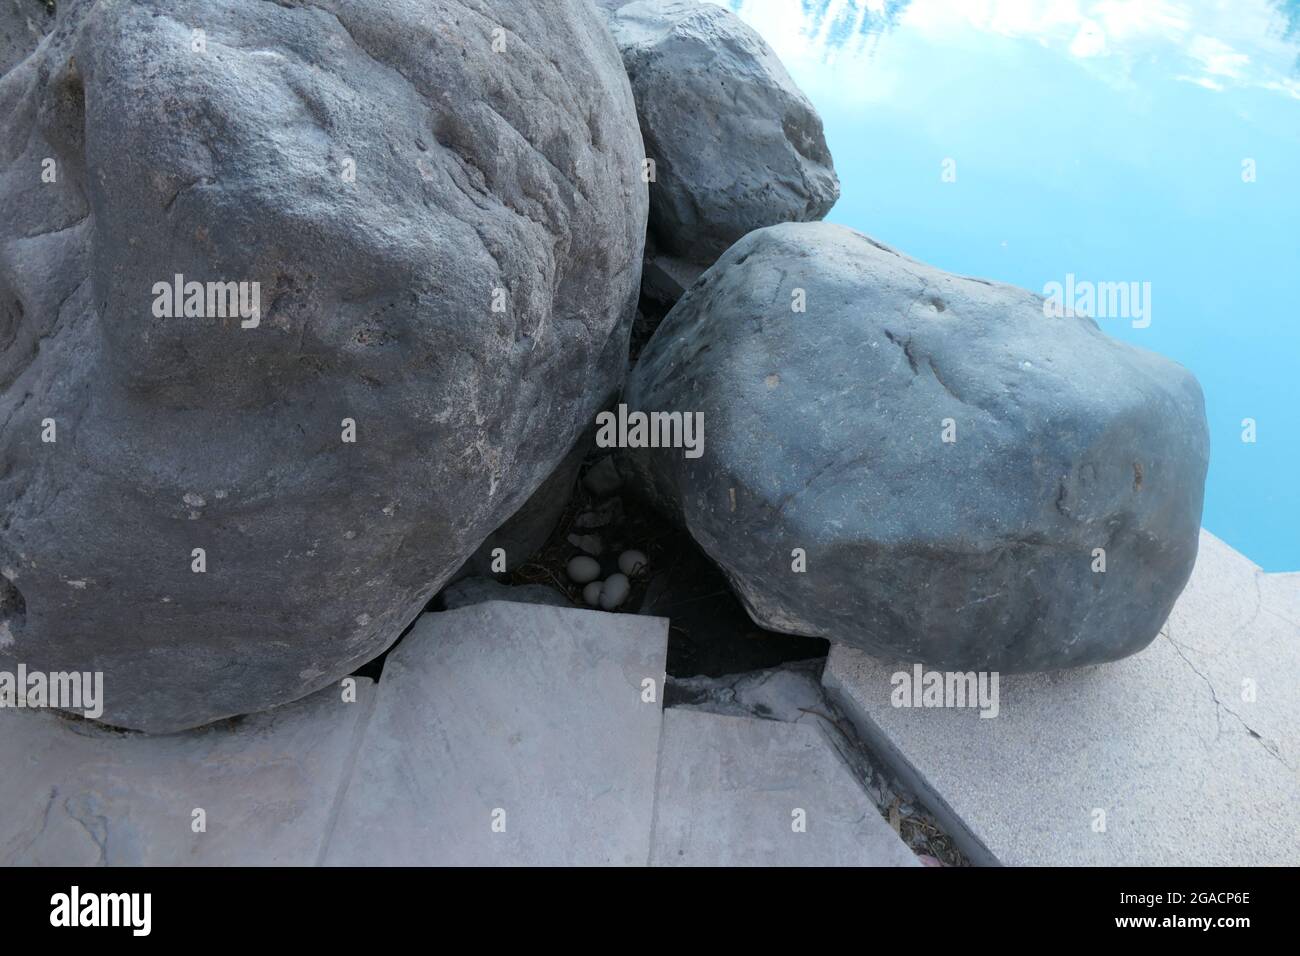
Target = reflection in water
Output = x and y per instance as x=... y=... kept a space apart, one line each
x=1215 y=44
x=851 y=27
x=1290 y=10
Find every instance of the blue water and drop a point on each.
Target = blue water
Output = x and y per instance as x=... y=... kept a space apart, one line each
x=1107 y=140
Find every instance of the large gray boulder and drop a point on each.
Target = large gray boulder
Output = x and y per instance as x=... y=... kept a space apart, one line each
x=736 y=145
x=824 y=431
x=387 y=173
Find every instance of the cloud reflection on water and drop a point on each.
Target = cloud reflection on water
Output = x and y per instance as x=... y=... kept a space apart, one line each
x=1214 y=44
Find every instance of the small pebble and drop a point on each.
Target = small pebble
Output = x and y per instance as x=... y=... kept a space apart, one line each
x=632 y=562
x=591 y=593
x=582 y=569
x=615 y=592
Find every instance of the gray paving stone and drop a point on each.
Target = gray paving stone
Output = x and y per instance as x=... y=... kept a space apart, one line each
x=730 y=787
x=73 y=793
x=1187 y=769
x=531 y=710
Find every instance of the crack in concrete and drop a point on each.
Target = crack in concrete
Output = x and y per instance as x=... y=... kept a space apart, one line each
x=1220 y=707
x=45 y=823
x=1275 y=611
x=100 y=823
x=1259 y=606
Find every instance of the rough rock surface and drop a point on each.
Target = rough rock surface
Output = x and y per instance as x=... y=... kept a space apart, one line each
x=824 y=432
x=22 y=25
x=380 y=173
x=736 y=145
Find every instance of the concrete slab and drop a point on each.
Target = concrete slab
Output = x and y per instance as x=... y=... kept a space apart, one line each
x=1280 y=594
x=73 y=793
x=510 y=734
x=1188 y=748
x=732 y=789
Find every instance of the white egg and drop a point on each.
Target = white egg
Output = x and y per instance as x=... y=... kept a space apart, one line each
x=582 y=569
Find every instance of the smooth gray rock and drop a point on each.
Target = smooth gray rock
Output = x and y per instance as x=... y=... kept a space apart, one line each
x=475 y=170
x=730 y=788
x=824 y=432
x=469 y=591
x=736 y=145
x=73 y=793
x=533 y=712
x=22 y=25
x=1186 y=770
